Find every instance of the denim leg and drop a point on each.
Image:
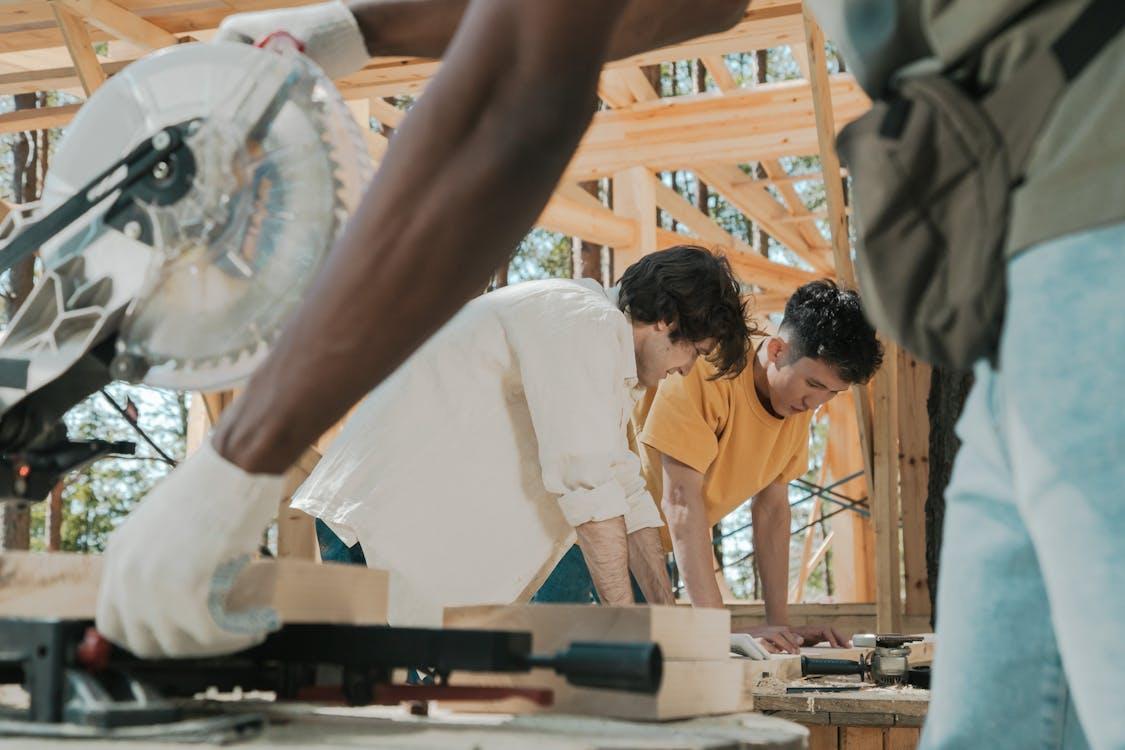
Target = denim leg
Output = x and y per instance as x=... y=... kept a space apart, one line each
x=1063 y=360
x=570 y=583
x=333 y=549
x=997 y=678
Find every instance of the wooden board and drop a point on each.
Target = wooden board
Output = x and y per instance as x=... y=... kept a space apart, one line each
x=921 y=652
x=65 y=585
x=700 y=678
x=857 y=617
x=682 y=632
x=690 y=688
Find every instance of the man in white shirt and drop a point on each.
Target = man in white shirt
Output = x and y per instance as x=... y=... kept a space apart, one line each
x=469 y=472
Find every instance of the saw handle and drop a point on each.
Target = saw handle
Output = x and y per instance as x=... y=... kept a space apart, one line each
x=632 y=667
x=831 y=666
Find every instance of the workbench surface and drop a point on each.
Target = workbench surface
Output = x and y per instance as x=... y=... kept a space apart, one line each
x=318 y=728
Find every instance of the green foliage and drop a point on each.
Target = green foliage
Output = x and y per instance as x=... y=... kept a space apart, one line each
x=542 y=255
x=97 y=497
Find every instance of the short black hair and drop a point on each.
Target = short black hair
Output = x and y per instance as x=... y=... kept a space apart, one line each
x=694 y=290
x=825 y=321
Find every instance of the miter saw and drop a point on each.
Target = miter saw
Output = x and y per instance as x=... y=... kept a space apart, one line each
x=188 y=207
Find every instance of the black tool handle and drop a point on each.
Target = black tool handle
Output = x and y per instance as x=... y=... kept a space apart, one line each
x=633 y=667
x=830 y=666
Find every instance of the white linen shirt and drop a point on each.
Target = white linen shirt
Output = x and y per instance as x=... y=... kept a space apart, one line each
x=465 y=472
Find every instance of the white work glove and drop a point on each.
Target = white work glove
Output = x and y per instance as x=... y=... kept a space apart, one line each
x=747 y=645
x=328 y=34
x=170 y=565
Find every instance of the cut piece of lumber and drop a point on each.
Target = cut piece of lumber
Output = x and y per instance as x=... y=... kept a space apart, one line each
x=681 y=632
x=700 y=678
x=690 y=688
x=65 y=585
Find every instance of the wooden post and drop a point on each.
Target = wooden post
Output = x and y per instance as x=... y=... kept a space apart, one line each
x=634 y=197
x=914 y=476
x=834 y=195
x=54 y=518
x=853 y=546
x=884 y=498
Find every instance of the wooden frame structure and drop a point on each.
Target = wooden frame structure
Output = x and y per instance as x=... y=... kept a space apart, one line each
x=74 y=45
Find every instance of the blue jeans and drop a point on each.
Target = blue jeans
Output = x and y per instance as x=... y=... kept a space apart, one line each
x=570 y=583
x=333 y=549
x=1030 y=601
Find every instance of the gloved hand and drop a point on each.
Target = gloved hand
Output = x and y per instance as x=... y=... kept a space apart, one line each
x=328 y=33
x=745 y=644
x=169 y=566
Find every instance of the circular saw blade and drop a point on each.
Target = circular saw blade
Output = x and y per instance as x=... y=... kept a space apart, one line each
x=270 y=196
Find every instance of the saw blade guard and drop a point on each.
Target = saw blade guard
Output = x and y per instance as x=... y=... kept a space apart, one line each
x=279 y=164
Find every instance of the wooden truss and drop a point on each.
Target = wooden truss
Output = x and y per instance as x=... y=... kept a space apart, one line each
x=74 y=45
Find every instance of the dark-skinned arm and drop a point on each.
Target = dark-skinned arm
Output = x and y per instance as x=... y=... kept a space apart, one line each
x=462 y=183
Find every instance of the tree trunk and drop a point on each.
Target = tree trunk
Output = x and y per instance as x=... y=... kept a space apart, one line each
x=761 y=70
x=15 y=518
x=948 y=389
x=589 y=256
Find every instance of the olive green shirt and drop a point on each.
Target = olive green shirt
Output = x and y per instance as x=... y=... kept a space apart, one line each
x=1076 y=173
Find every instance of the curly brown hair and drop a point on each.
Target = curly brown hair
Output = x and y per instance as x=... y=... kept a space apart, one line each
x=693 y=290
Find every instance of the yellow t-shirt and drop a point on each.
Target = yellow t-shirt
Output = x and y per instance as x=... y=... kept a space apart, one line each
x=720 y=429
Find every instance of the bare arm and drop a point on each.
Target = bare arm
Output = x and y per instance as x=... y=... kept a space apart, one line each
x=423 y=28
x=463 y=182
x=605 y=548
x=691 y=538
x=649 y=567
x=771 y=517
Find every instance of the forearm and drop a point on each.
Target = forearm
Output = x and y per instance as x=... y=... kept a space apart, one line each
x=648 y=565
x=424 y=28
x=691 y=541
x=771 y=518
x=459 y=188
x=605 y=547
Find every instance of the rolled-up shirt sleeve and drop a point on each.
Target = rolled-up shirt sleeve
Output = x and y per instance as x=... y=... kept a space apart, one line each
x=571 y=363
x=642 y=512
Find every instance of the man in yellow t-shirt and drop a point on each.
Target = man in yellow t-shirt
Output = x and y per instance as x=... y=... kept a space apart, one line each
x=709 y=444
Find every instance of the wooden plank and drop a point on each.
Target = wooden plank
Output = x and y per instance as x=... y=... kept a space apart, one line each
x=853 y=553
x=826 y=139
x=386 y=113
x=818 y=256
x=37 y=119
x=716 y=65
x=296 y=530
x=755 y=268
x=596 y=224
x=861 y=738
x=902 y=738
x=895 y=701
x=634 y=198
x=884 y=497
x=121 y=23
x=689 y=689
x=51 y=79
x=699 y=676
x=682 y=632
x=81 y=49
x=636 y=81
x=755 y=201
x=824 y=737
x=914 y=476
x=66 y=585
x=767 y=121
